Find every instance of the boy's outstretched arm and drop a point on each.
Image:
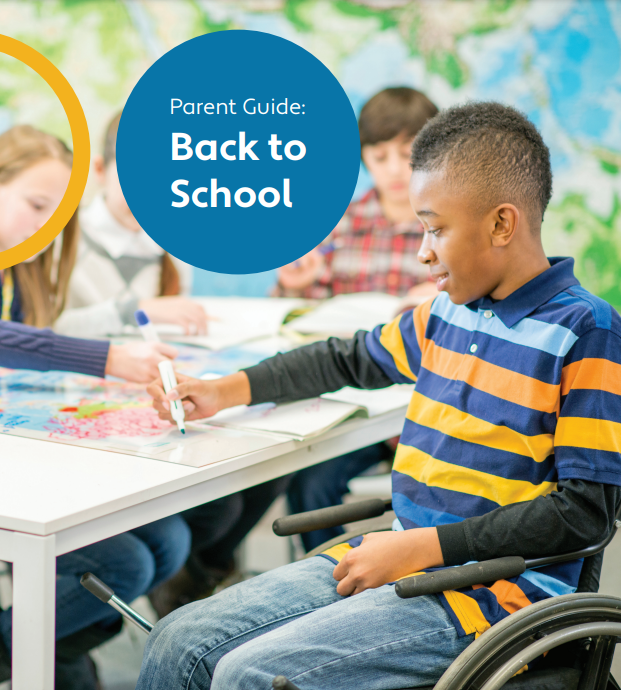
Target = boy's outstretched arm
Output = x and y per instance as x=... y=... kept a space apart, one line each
x=315 y=369
x=302 y=373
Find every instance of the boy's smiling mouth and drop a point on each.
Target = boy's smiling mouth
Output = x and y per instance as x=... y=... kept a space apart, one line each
x=440 y=279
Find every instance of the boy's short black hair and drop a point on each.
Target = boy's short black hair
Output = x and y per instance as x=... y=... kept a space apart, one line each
x=109 y=150
x=392 y=112
x=492 y=150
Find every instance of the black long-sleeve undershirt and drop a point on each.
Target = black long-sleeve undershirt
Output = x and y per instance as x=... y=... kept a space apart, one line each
x=576 y=515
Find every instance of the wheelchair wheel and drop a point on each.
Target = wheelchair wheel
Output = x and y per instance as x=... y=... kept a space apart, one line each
x=528 y=633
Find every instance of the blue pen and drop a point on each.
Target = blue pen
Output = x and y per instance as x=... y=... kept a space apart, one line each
x=146 y=327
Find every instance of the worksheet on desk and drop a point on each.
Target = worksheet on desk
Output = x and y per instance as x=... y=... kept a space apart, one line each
x=111 y=415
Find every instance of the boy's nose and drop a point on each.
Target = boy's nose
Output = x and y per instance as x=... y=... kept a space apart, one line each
x=426 y=255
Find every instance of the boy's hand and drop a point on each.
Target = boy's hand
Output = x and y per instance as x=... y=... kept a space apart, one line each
x=176 y=310
x=303 y=272
x=138 y=361
x=385 y=557
x=201 y=398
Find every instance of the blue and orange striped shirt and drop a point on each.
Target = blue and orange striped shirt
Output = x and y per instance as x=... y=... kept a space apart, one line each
x=510 y=397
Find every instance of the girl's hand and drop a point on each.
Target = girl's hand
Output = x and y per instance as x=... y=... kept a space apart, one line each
x=176 y=310
x=137 y=362
x=303 y=272
x=385 y=557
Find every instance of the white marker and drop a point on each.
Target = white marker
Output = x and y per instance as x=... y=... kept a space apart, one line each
x=166 y=369
x=146 y=327
x=170 y=381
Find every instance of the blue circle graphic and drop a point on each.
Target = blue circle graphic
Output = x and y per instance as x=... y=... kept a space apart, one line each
x=238 y=151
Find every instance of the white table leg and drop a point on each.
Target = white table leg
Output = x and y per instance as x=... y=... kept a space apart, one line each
x=34 y=603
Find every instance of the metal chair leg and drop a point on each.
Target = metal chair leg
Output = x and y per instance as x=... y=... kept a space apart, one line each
x=104 y=593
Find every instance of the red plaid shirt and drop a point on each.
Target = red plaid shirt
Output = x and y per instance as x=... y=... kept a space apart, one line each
x=368 y=253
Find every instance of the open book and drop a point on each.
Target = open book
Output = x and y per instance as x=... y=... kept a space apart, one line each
x=313 y=416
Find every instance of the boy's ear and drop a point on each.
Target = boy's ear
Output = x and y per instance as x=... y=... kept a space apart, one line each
x=506 y=218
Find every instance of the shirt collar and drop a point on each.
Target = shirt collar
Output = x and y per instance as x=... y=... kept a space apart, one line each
x=100 y=225
x=531 y=295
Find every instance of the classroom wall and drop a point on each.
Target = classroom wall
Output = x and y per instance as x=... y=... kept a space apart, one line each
x=558 y=60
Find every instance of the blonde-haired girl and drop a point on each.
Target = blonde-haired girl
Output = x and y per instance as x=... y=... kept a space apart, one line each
x=34 y=172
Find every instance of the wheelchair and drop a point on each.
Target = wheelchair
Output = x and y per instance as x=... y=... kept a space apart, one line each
x=576 y=633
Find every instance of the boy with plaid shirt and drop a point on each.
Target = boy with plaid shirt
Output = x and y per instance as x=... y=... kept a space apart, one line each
x=374 y=246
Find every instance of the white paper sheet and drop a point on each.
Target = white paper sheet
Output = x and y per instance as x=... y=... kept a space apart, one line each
x=298 y=420
x=377 y=401
x=235 y=320
x=343 y=315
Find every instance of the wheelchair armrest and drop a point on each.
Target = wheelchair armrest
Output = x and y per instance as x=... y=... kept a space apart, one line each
x=330 y=517
x=487 y=571
x=460 y=577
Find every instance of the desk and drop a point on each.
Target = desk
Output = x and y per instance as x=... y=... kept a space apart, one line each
x=55 y=498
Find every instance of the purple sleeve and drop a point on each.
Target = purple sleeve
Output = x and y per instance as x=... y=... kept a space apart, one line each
x=25 y=347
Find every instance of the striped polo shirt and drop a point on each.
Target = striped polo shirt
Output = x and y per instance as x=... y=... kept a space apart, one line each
x=510 y=397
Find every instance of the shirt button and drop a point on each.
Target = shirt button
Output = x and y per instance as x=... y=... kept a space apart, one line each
x=473 y=348
x=488 y=314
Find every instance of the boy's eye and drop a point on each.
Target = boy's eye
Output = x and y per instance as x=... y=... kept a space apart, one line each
x=434 y=231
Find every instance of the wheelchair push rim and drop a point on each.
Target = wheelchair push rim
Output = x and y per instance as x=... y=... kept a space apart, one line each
x=510 y=638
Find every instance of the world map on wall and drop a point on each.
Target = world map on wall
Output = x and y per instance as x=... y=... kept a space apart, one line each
x=559 y=61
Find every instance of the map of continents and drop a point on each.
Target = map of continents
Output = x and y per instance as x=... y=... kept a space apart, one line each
x=557 y=60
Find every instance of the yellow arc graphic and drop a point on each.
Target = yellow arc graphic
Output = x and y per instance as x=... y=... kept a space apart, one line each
x=81 y=151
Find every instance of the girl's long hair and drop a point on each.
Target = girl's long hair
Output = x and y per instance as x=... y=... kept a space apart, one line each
x=43 y=282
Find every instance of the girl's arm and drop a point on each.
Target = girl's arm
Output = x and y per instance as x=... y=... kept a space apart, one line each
x=25 y=347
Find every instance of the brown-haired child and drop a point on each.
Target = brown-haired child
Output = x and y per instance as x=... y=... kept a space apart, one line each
x=120 y=269
x=374 y=246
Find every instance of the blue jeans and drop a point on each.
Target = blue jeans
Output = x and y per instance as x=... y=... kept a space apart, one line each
x=132 y=564
x=291 y=621
x=325 y=484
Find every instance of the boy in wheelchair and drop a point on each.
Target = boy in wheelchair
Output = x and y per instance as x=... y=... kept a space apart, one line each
x=510 y=444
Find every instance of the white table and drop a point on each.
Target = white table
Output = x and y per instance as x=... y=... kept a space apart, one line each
x=55 y=498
